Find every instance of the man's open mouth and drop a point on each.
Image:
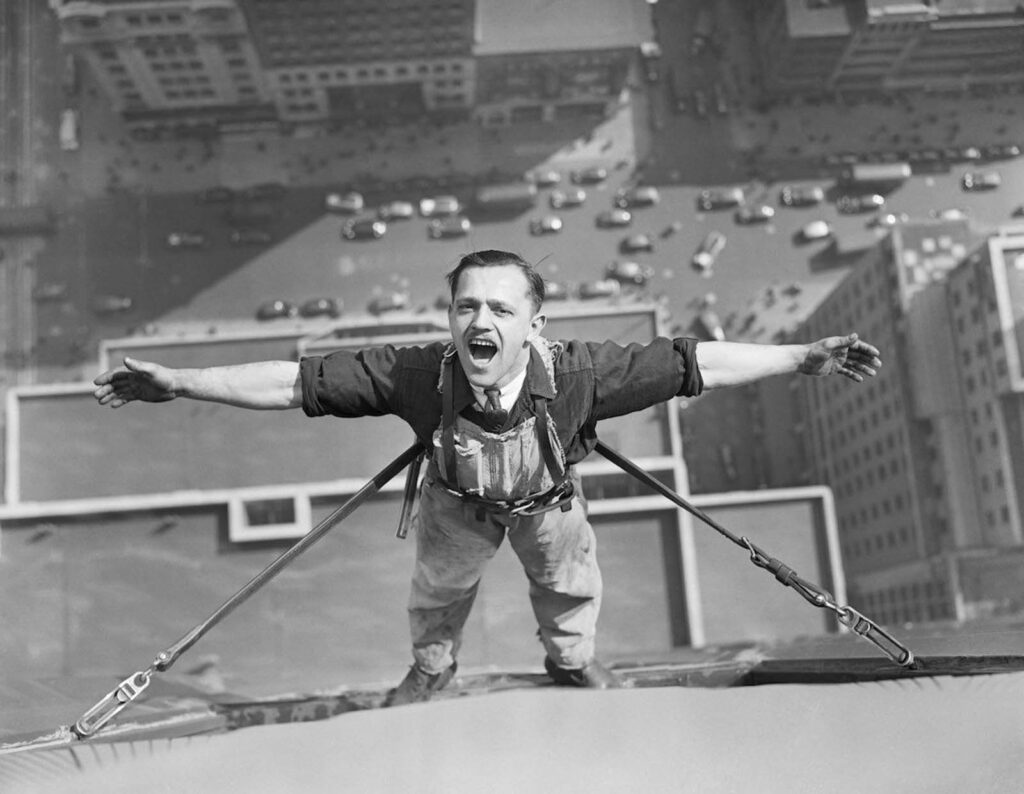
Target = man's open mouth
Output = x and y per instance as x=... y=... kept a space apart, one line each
x=482 y=350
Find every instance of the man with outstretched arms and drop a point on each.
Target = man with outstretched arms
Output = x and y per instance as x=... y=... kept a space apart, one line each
x=505 y=414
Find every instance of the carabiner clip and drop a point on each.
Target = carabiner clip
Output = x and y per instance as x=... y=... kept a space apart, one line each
x=111 y=705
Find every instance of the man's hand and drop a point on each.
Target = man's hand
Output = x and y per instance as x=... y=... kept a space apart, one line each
x=136 y=380
x=841 y=355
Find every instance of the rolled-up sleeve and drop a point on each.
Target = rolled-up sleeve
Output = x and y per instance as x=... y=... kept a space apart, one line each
x=349 y=384
x=634 y=377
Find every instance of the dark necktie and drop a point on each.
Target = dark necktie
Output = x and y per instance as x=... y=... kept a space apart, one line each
x=494 y=413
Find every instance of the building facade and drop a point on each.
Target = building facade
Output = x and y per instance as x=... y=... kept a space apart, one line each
x=925 y=460
x=220 y=65
x=873 y=46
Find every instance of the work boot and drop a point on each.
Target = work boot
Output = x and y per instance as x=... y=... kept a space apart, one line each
x=593 y=675
x=419 y=686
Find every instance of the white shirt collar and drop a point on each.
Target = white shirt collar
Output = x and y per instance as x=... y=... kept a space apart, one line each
x=508 y=393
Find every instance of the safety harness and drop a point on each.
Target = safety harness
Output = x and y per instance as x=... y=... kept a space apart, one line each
x=557 y=496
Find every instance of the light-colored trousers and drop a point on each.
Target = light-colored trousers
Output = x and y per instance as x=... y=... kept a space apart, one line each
x=454 y=543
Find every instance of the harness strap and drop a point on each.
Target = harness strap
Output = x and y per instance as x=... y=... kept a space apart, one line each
x=554 y=463
x=448 y=420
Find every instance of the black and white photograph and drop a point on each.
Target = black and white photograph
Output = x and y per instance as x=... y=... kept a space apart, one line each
x=503 y=396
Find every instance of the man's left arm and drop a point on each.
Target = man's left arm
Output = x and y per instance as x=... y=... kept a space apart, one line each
x=737 y=363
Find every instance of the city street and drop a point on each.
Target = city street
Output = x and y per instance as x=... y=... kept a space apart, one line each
x=119 y=198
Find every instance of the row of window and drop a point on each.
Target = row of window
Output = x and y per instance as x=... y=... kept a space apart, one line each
x=401 y=70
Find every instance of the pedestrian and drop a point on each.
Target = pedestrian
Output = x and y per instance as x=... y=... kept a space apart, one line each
x=505 y=414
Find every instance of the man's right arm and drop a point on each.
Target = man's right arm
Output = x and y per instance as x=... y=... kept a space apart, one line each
x=266 y=385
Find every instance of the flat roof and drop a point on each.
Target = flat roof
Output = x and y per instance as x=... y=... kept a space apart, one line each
x=560 y=25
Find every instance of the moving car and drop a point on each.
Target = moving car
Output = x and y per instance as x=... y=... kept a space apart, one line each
x=612 y=218
x=981 y=180
x=55 y=291
x=555 y=291
x=436 y=206
x=573 y=197
x=793 y=196
x=639 y=196
x=179 y=240
x=754 y=213
x=111 y=304
x=887 y=219
x=250 y=237
x=265 y=190
x=275 y=309
x=346 y=203
x=216 y=195
x=396 y=211
x=320 y=307
x=604 y=288
x=815 y=230
x=850 y=205
x=364 y=229
x=708 y=250
x=549 y=224
x=449 y=226
x=589 y=176
x=629 y=273
x=546 y=178
x=635 y=243
x=392 y=302
x=722 y=198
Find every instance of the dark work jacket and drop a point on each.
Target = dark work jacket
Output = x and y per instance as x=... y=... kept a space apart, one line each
x=593 y=381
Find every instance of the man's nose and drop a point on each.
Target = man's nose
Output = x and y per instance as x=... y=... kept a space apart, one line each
x=483 y=318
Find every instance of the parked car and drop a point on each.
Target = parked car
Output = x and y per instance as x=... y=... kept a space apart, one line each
x=981 y=180
x=449 y=226
x=573 y=197
x=636 y=243
x=639 y=196
x=754 y=213
x=111 y=304
x=320 y=307
x=612 y=218
x=391 y=302
x=724 y=198
x=396 y=211
x=348 y=203
x=629 y=273
x=549 y=224
x=364 y=229
x=707 y=252
x=589 y=176
x=54 y=291
x=544 y=178
x=815 y=230
x=604 y=288
x=793 y=196
x=555 y=291
x=437 y=206
x=216 y=195
x=250 y=237
x=851 y=205
x=180 y=240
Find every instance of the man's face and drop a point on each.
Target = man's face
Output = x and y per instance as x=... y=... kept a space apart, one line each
x=493 y=323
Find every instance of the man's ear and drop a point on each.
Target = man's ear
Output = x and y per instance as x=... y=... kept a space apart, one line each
x=536 y=326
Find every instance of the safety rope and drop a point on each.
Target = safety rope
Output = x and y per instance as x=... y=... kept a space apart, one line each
x=812 y=593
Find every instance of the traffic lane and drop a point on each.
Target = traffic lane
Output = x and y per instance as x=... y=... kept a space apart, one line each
x=229 y=282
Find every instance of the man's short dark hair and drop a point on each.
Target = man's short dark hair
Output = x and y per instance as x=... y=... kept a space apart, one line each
x=492 y=258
